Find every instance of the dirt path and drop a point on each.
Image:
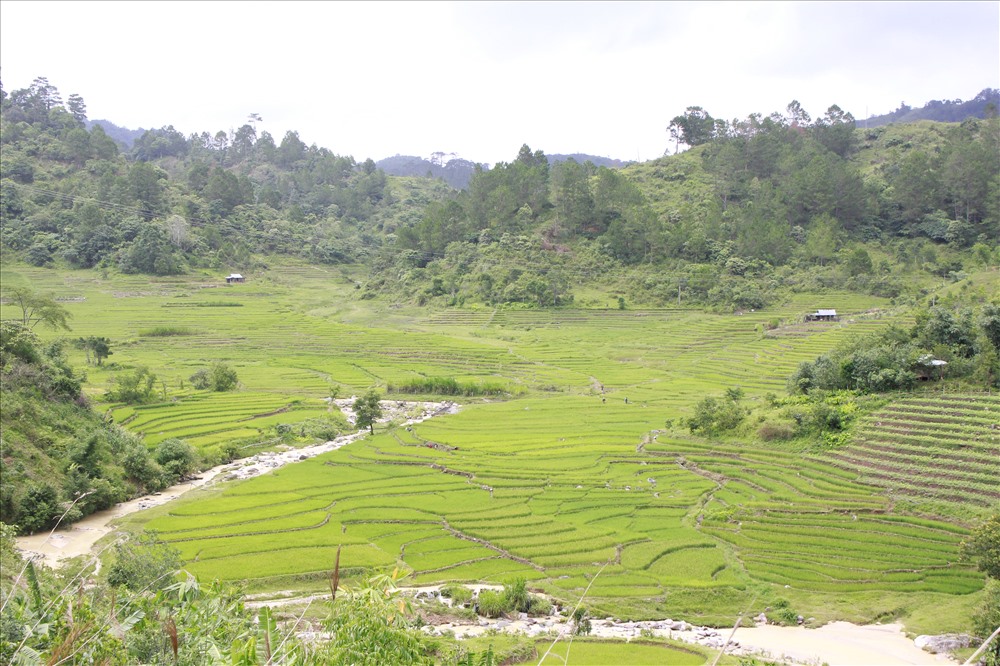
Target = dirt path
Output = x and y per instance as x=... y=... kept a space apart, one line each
x=57 y=547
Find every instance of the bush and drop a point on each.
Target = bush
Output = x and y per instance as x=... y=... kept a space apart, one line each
x=713 y=416
x=370 y=627
x=449 y=386
x=490 y=603
x=459 y=594
x=201 y=380
x=581 y=622
x=783 y=613
x=39 y=508
x=177 y=458
x=223 y=377
x=132 y=388
x=143 y=562
x=771 y=431
x=219 y=377
x=515 y=596
x=324 y=428
x=141 y=468
x=166 y=331
x=987 y=618
x=539 y=606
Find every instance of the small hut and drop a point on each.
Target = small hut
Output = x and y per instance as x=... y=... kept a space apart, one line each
x=930 y=368
x=822 y=315
x=234 y=278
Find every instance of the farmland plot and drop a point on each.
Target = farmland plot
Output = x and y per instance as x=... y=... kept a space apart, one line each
x=577 y=482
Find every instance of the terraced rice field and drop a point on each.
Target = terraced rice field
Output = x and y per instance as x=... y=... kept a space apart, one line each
x=579 y=482
x=203 y=418
x=937 y=449
x=601 y=653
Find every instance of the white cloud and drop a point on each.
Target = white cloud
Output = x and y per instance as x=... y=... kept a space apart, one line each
x=376 y=79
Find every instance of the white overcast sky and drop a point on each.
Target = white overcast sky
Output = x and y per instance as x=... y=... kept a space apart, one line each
x=375 y=79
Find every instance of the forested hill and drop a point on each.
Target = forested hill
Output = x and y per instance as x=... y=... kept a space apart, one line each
x=458 y=172
x=983 y=105
x=754 y=208
x=123 y=136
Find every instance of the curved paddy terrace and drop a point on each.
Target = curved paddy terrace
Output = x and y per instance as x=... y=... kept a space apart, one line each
x=587 y=469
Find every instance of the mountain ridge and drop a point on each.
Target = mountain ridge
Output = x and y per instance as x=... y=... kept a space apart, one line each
x=457 y=172
x=948 y=111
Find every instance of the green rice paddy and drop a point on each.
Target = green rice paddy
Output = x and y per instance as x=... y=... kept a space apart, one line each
x=601 y=653
x=585 y=471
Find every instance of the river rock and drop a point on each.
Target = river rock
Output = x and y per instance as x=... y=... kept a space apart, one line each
x=943 y=642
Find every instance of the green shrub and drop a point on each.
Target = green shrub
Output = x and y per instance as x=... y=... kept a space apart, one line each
x=515 y=596
x=491 y=603
x=140 y=467
x=770 y=431
x=223 y=377
x=539 y=605
x=201 y=380
x=143 y=562
x=450 y=386
x=323 y=428
x=133 y=387
x=39 y=508
x=713 y=415
x=370 y=627
x=219 y=377
x=177 y=458
x=166 y=331
x=581 y=622
x=460 y=595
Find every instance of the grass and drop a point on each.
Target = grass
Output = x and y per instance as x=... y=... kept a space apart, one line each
x=166 y=331
x=577 y=467
x=584 y=651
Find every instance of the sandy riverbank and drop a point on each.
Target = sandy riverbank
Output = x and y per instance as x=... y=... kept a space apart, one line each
x=834 y=644
x=838 y=644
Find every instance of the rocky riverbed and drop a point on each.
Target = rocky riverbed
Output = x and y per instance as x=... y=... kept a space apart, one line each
x=834 y=644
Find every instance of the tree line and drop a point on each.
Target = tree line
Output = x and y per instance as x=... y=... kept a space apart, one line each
x=752 y=208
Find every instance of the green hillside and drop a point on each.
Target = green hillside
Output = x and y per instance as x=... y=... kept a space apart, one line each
x=651 y=423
